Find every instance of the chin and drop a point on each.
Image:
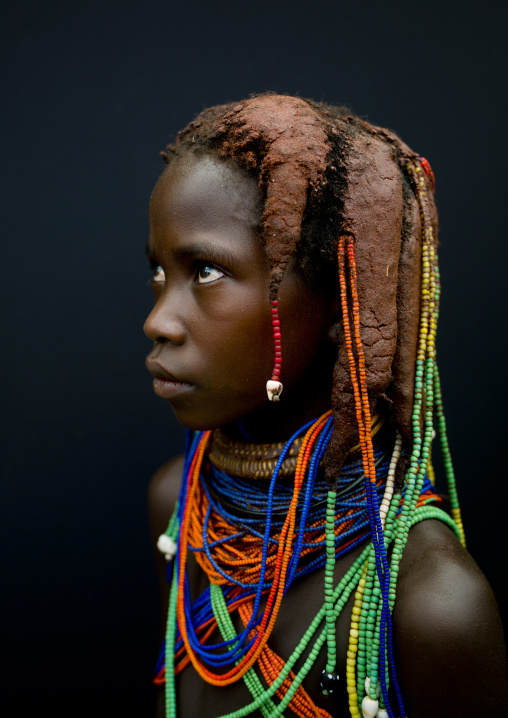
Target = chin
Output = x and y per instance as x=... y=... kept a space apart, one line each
x=215 y=413
x=200 y=422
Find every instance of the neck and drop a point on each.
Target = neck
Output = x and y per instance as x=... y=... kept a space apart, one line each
x=275 y=423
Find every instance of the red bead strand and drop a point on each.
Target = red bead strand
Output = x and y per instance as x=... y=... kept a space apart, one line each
x=274 y=386
x=428 y=171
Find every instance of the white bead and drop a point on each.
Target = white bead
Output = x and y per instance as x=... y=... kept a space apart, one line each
x=369 y=707
x=166 y=546
x=382 y=713
x=273 y=389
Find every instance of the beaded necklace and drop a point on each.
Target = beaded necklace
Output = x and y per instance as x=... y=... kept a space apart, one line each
x=372 y=577
x=230 y=599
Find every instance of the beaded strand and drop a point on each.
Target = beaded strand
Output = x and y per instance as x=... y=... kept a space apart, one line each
x=348 y=583
x=281 y=566
x=343 y=529
x=359 y=382
x=374 y=619
x=329 y=676
x=273 y=385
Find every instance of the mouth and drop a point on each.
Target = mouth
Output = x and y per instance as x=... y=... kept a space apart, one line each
x=165 y=384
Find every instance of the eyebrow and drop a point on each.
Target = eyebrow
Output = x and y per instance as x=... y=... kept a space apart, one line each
x=217 y=255
x=221 y=255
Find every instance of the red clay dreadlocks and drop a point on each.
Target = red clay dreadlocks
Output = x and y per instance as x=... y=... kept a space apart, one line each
x=322 y=172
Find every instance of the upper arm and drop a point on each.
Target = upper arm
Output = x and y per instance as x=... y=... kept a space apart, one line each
x=163 y=493
x=449 y=643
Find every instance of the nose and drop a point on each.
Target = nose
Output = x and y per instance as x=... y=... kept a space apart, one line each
x=164 y=324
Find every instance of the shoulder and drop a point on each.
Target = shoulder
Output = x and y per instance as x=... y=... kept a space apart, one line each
x=448 y=634
x=163 y=493
x=441 y=585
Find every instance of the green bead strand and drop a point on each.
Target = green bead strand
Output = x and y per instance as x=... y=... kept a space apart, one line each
x=341 y=594
x=228 y=632
x=331 y=651
x=446 y=454
x=170 y=688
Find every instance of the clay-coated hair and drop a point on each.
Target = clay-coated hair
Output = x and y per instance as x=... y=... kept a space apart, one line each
x=322 y=172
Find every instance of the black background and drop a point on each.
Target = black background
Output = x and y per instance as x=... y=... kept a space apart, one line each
x=92 y=91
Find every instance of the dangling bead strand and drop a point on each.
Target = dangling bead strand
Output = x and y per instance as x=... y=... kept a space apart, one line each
x=356 y=360
x=390 y=480
x=353 y=649
x=371 y=612
x=445 y=449
x=329 y=676
x=273 y=385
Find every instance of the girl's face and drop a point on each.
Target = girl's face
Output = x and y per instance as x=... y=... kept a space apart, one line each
x=211 y=321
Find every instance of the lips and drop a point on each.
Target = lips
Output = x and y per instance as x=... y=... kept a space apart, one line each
x=165 y=384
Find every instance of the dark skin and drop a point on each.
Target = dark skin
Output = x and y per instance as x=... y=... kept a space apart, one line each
x=211 y=331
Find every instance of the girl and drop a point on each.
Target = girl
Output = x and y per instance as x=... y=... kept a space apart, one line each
x=309 y=567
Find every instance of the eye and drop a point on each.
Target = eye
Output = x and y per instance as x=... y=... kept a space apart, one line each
x=206 y=273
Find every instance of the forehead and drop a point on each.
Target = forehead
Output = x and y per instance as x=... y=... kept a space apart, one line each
x=200 y=191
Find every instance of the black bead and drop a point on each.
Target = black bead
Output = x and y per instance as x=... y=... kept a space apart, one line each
x=328 y=681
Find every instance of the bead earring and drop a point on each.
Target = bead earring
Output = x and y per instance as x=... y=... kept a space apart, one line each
x=273 y=385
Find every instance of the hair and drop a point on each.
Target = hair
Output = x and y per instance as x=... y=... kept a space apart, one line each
x=323 y=173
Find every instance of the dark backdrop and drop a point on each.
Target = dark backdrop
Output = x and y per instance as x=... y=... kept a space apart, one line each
x=93 y=90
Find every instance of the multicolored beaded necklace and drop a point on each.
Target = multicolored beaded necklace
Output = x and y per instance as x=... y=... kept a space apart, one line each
x=254 y=539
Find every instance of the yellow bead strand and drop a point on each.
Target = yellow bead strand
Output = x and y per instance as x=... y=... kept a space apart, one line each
x=353 y=648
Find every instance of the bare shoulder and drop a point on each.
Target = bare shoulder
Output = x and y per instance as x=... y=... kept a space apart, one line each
x=448 y=636
x=163 y=493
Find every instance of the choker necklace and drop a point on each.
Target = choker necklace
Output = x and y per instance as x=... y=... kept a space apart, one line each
x=247 y=460
x=252 y=461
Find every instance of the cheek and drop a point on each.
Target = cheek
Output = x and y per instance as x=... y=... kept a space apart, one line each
x=240 y=348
